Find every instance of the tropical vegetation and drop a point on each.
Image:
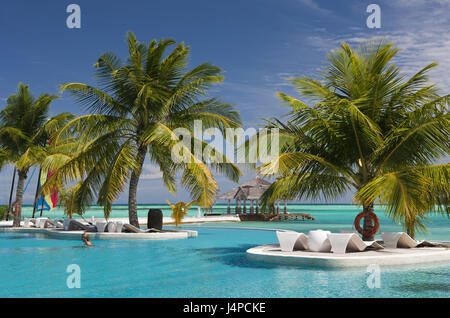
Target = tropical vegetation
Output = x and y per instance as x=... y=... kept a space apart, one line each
x=179 y=211
x=133 y=114
x=25 y=135
x=3 y=212
x=363 y=126
x=67 y=198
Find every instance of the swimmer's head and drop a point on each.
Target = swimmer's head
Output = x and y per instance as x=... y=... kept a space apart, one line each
x=85 y=237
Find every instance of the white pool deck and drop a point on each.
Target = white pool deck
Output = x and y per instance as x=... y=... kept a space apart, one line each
x=398 y=256
x=166 y=220
x=5 y=227
x=76 y=235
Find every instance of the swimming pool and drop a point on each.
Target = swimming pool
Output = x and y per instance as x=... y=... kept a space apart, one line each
x=332 y=217
x=212 y=265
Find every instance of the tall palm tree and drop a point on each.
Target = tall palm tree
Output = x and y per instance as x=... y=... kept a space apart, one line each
x=370 y=130
x=134 y=113
x=25 y=129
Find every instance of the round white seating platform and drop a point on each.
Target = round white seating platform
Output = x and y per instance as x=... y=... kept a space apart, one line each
x=70 y=235
x=397 y=256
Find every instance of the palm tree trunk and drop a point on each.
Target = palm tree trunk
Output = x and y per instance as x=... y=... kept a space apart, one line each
x=410 y=228
x=19 y=197
x=134 y=180
x=368 y=222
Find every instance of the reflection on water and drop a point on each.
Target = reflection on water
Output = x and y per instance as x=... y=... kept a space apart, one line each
x=422 y=287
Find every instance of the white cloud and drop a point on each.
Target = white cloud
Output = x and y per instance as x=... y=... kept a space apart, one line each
x=311 y=4
x=417 y=27
x=151 y=172
x=419 y=49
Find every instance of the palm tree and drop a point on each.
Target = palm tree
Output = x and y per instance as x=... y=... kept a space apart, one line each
x=25 y=129
x=134 y=114
x=179 y=210
x=370 y=130
x=67 y=198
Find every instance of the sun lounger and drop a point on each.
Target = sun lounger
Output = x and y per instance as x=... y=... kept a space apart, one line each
x=27 y=222
x=290 y=241
x=349 y=242
x=132 y=228
x=66 y=223
x=49 y=224
x=53 y=224
x=119 y=226
x=40 y=222
x=78 y=226
x=318 y=241
x=110 y=227
x=402 y=240
x=101 y=226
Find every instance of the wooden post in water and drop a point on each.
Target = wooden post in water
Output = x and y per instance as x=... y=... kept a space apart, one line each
x=285 y=207
x=228 y=209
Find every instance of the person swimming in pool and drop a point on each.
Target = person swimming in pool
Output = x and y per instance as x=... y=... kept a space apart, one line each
x=86 y=240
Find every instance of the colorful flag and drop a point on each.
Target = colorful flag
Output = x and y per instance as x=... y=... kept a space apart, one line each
x=48 y=202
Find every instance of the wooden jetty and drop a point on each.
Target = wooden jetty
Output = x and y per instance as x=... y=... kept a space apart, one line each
x=277 y=217
x=291 y=217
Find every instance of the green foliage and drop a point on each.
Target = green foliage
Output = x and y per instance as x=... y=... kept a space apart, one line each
x=134 y=110
x=179 y=211
x=3 y=212
x=25 y=128
x=67 y=198
x=369 y=129
x=25 y=132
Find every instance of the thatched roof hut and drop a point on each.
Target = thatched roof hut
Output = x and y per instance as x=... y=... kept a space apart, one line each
x=251 y=190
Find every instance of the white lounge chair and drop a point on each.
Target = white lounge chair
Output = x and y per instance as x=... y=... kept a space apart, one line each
x=27 y=222
x=349 y=242
x=66 y=223
x=55 y=224
x=402 y=240
x=110 y=227
x=40 y=222
x=119 y=226
x=132 y=228
x=290 y=241
x=74 y=225
x=101 y=226
x=318 y=241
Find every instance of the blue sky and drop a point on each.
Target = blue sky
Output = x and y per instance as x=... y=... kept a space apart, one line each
x=259 y=43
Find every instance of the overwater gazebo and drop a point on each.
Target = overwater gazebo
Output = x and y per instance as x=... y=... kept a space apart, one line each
x=251 y=191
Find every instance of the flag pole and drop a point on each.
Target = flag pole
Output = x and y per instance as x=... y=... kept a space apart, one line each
x=37 y=192
x=42 y=205
x=11 y=193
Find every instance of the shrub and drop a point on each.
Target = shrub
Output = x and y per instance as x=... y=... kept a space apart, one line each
x=3 y=212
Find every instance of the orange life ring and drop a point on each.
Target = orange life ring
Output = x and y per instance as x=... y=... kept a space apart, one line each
x=13 y=208
x=370 y=232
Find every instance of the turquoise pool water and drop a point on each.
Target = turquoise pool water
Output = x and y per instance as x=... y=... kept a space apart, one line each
x=212 y=265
